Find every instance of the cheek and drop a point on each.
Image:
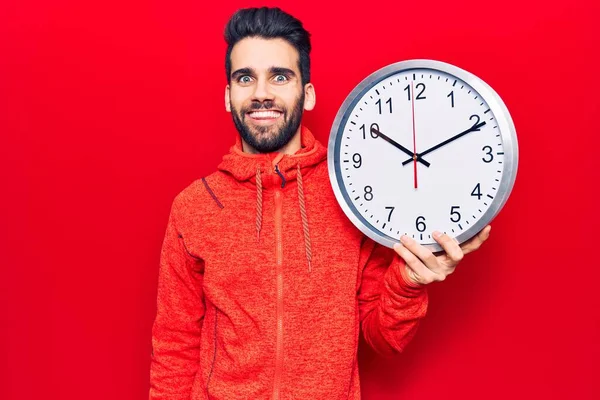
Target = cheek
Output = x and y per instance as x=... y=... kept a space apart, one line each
x=288 y=97
x=239 y=98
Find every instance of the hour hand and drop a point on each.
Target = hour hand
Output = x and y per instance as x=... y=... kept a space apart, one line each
x=413 y=156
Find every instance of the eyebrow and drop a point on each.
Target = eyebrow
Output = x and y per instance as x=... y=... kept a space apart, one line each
x=281 y=71
x=242 y=71
x=273 y=71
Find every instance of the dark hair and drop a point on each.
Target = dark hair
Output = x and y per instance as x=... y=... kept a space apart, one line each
x=268 y=23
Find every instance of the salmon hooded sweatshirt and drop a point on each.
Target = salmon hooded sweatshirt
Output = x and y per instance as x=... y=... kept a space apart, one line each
x=265 y=285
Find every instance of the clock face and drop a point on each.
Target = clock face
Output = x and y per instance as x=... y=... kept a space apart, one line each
x=421 y=146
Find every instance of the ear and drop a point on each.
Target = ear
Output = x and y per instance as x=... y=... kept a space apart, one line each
x=227 y=99
x=310 y=97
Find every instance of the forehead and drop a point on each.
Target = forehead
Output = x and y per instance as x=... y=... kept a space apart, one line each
x=262 y=54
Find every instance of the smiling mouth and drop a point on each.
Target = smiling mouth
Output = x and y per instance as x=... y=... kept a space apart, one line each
x=268 y=115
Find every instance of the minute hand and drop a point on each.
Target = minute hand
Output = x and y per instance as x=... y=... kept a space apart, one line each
x=445 y=142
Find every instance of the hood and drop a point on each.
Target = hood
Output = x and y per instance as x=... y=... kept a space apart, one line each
x=244 y=166
x=269 y=170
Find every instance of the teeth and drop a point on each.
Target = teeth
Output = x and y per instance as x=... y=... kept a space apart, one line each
x=264 y=114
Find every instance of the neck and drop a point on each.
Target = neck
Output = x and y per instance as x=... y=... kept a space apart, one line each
x=290 y=147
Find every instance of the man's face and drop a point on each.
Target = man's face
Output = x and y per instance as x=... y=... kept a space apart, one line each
x=266 y=97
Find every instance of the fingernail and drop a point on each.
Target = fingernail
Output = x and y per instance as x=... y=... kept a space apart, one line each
x=405 y=239
x=437 y=234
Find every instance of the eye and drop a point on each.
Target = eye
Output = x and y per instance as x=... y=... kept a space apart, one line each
x=245 y=79
x=281 y=78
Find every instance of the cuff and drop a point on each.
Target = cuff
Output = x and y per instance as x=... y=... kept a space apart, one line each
x=397 y=279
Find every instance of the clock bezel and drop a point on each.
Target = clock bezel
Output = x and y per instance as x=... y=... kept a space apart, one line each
x=495 y=103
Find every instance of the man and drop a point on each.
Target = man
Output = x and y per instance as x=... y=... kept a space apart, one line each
x=264 y=284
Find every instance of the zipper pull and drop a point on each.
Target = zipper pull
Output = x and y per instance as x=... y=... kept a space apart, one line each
x=280 y=175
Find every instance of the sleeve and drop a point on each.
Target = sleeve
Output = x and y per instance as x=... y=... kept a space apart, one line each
x=179 y=316
x=390 y=307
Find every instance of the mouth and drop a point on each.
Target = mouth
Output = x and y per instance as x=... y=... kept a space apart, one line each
x=264 y=117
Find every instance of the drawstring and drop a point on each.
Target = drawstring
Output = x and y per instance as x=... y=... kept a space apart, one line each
x=304 y=219
x=259 y=211
x=258 y=203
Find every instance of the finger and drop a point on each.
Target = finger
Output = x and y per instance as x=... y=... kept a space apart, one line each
x=415 y=269
x=424 y=254
x=476 y=242
x=450 y=246
x=410 y=275
x=419 y=259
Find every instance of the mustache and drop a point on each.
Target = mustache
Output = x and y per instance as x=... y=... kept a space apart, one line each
x=266 y=105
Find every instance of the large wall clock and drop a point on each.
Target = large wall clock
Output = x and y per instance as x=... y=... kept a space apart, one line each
x=422 y=145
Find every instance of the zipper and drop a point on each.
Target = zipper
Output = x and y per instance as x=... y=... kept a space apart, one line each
x=279 y=272
x=280 y=175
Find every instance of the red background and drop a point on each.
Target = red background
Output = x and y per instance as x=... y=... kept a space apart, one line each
x=109 y=108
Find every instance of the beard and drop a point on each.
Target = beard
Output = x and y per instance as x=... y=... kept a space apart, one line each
x=267 y=139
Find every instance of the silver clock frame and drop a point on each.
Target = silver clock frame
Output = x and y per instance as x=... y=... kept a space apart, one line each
x=503 y=118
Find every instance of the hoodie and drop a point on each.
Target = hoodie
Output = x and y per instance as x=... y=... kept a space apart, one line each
x=265 y=285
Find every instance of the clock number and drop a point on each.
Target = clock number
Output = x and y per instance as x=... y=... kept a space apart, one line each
x=421 y=224
x=476 y=116
x=389 y=101
x=391 y=211
x=374 y=135
x=421 y=92
x=488 y=153
x=451 y=95
x=420 y=95
x=364 y=131
x=357 y=160
x=368 y=193
x=454 y=213
x=477 y=191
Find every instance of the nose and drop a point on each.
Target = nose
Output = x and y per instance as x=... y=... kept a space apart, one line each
x=262 y=91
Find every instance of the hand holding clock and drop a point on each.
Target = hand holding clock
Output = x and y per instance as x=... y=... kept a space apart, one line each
x=423 y=267
x=422 y=107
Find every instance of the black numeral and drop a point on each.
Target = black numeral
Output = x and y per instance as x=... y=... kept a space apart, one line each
x=389 y=101
x=420 y=223
x=420 y=95
x=488 y=152
x=451 y=95
x=364 y=131
x=368 y=193
x=421 y=92
x=391 y=211
x=477 y=191
x=454 y=214
x=357 y=160
x=476 y=116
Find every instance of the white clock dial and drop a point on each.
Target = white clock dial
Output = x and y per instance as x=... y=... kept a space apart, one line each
x=422 y=146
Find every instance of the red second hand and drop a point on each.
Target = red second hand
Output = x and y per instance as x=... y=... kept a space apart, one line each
x=412 y=97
